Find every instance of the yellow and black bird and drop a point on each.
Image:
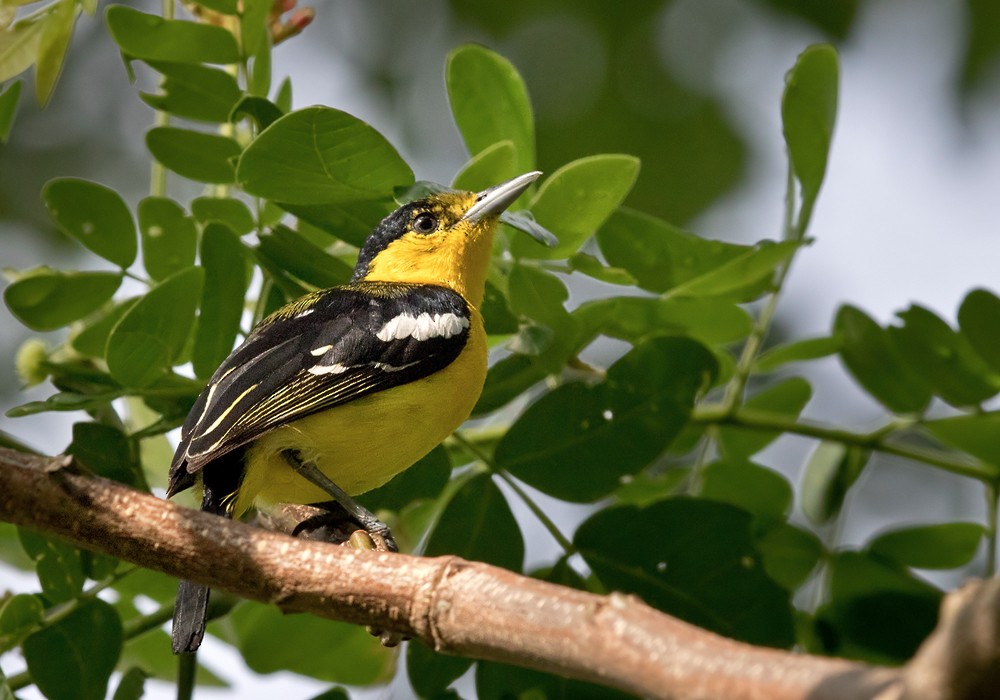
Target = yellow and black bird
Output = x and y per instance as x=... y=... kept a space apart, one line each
x=342 y=389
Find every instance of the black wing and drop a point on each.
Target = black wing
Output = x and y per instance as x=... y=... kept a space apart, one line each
x=323 y=350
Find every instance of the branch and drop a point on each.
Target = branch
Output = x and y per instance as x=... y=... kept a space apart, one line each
x=475 y=610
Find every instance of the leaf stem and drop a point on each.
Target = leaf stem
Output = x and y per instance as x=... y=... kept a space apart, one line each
x=876 y=440
x=158 y=173
x=992 y=498
x=737 y=384
x=544 y=519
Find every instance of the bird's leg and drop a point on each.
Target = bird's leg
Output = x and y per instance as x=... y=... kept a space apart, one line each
x=364 y=517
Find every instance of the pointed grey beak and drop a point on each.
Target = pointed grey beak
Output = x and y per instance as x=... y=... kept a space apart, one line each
x=494 y=200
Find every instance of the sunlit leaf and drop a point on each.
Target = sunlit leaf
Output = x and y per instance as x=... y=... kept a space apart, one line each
x=490 y=103
x=320 y=155
x=226 y=280
x=8 y=108
x=45 y=299
x=153 y=332
x=194 y=91
x=497 y=163
x=576 y=200
x=95 y=215
x=52 y=45
x=195 y=155
x=169 y=237
x=152 y=38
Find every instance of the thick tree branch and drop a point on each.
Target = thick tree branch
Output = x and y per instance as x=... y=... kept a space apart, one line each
x=474 y=610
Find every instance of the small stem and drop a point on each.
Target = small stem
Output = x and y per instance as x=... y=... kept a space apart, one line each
x=187 y=669
x=876 y=440
x=992 y=496
x=158 y=174
x=737 y=385
x=544 y=519
x=137 y=278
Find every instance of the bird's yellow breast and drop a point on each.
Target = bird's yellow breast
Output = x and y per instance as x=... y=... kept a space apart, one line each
x=362 y=444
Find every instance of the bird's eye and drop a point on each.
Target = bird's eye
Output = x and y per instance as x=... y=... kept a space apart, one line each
x=425 y=223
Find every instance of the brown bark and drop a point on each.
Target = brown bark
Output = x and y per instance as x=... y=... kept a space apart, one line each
x=480 y=611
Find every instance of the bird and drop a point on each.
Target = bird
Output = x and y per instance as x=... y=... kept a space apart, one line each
x=341 y=389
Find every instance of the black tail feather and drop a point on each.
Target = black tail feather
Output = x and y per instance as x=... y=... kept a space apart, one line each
x=190 y=617
x=221 y=480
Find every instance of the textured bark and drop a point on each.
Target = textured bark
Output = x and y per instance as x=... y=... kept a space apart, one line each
x=480 y=611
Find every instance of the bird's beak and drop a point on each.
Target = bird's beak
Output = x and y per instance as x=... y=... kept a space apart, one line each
x=494 y=200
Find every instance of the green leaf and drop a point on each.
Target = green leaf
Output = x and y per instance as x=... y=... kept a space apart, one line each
x=272 y=641
x=105 y=451
x=942 y=546
x=254 y=24
x=291 y=252
x=73 y=658
x=830 y=472
x=592 y=267
x=507 y=379
x=132 y=685
x=350 y=220
x=477 y=525
x=658 y=255
x=808 y=114
x=424 y=480
x=790 y=554
x=19 y=616
x=694 y=559
x=977 y=434
x=576 y=200
x=878 y=612
x=786 y=399
x=19 y=45
x=45 y=299
x=52 y=45
x=579 y=429
x=8 y=108
x=943 y=357
x=283 y=98
x=807 y=349
x=261 y=110
x=496 y=681
x=193 y=91
x=226 y=281
x=752 y=269
x=979 y=319
x=762 y=492
x=169 y=237
x=876 y=365
x=154 y=331
x=497 y=316
x=259 y=82
x=232 y=212
x=490 y=103
x=57 y=563
x=151 y=38
x=92 y=340
x=192 y=154
x=94 y=215
x=496 y=163
x=711 y=320
x=431 y=673
x=320 y=155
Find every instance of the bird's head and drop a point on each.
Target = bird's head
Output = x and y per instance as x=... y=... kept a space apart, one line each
x=444 y=239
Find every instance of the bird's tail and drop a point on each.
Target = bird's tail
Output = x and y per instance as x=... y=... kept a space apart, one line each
x=221 y=480
x=190 y=617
